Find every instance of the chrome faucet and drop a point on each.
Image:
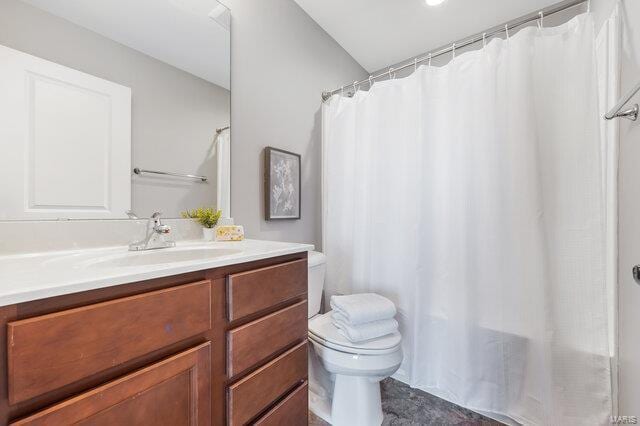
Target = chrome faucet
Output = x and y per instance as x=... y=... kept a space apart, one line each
x=156 y=235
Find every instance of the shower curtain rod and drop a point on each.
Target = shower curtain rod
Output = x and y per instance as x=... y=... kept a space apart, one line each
x=559 y=7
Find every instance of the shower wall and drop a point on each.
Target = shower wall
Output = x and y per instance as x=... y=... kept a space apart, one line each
x=628 y=215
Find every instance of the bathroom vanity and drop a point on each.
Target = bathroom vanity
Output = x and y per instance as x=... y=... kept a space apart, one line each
x=207 y=340
x=196 y=334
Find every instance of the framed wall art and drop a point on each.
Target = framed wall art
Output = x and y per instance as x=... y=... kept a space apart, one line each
x=283 y=187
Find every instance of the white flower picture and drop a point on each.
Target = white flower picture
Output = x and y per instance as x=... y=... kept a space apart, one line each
x=282 y=189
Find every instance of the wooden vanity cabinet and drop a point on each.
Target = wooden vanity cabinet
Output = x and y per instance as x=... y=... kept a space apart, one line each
x=214 y=347
x=175 y=391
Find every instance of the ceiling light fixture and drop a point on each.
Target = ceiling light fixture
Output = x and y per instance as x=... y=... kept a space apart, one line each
x=434 y=2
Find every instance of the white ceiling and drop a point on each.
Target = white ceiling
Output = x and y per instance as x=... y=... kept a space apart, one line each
x=178 y=32
x=380 y=33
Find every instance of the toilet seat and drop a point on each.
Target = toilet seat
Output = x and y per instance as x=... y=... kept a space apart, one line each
x=323 y=332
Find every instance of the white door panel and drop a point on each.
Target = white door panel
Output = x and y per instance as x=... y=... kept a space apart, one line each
x=65 y=139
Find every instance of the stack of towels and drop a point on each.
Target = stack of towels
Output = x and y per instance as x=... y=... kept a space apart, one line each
x=365 y=316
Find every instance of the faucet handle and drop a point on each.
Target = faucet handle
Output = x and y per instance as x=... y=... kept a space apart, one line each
x=156 y=219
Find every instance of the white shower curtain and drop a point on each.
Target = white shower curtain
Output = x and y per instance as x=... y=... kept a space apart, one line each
x=472 y=196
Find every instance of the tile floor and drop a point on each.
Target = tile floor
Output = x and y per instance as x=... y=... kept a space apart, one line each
x=403 y=406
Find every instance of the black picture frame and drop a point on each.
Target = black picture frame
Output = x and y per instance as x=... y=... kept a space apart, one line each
x=280 y=170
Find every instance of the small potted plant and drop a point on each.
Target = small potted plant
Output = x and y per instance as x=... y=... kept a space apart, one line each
x=207 y=217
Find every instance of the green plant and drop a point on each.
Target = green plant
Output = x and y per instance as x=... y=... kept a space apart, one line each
x=206 y=216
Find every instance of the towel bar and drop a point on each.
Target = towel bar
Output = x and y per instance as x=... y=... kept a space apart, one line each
x=139 y=171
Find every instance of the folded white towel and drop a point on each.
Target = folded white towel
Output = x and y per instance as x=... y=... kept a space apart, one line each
x=366 y=331
x=336 y=316
x=361 y=308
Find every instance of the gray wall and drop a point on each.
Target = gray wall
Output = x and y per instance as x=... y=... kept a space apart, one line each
x=281 y=62
x=174 y=113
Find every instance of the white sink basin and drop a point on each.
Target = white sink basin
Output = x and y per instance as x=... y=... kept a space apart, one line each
x=161 y=256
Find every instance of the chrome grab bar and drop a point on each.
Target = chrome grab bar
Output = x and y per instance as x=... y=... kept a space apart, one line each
x=139 y=171
x=631 y=113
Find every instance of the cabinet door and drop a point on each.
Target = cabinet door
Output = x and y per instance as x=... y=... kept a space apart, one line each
x=172 y=392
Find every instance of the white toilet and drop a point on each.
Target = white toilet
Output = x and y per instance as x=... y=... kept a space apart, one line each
x=345 y=377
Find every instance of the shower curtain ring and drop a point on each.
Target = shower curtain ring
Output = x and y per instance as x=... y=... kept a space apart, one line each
x=390 y=71
x=484 y=40
x=453 y=51
x=415 y=64
x=370 y=81
x=506 y=30
x=354 y=87
x=541 y=19
x=341 y=90
x=429 y=59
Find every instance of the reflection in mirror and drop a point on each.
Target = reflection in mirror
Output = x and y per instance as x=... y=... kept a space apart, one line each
x=96 y=89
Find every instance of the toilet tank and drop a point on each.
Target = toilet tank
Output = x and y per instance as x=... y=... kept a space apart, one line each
x=315 y=281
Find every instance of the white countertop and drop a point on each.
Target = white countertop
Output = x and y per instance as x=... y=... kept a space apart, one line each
x=28 y=277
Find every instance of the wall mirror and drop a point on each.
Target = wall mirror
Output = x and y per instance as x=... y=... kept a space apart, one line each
x=113 y=105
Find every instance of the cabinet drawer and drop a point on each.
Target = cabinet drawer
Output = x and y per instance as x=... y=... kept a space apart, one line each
x=256 y=392
x=50 y=351
x=257 y=340
x=172 y=392
x=292 y=411
x=253 y=291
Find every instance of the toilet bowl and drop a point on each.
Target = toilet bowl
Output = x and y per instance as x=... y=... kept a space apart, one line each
x=344 y=377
